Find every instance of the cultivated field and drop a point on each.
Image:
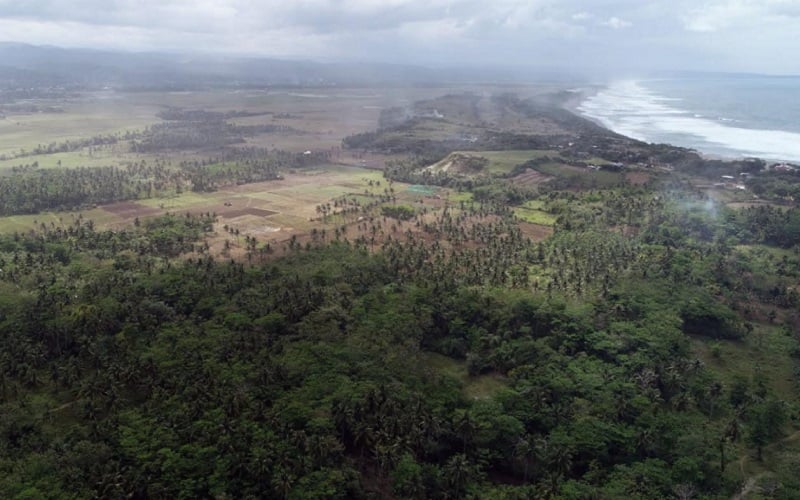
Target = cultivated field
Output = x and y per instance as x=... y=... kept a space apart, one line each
x=274 y=211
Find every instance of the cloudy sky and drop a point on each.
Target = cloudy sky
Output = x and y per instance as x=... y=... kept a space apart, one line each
x=619 y=35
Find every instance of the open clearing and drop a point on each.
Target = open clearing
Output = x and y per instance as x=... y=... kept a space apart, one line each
x=762 y=354
x=289 y=202
x=502 y=162
x=97 y=113
x=474 y=387
x=530 y=178
x=315 y=120
x=531 y=211
x=279 y=210
x=499 y=162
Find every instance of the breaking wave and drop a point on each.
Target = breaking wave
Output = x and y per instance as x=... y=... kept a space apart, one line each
x=627 y=107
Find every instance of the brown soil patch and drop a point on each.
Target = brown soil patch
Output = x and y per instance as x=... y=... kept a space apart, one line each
x=130 y=209
x=530 y=177
x=311 y=178
x=754 y=203
x=258 y=212
x=535 y=232
x=637 y=178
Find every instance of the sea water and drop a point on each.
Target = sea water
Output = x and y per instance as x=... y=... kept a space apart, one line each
x=731 y=116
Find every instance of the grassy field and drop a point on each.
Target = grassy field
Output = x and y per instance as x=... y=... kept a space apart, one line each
x=478 y=387
x=764 y=353
x=87 y=116
x=499 y=162
x=456 y=197
x=319 y=119
x=503 y=162
x=22 y=223
x=100 y=157
x=293 y=199
x=532 y=211
x=582 y=177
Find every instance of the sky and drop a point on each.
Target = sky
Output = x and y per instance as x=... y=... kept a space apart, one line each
x=759 y=36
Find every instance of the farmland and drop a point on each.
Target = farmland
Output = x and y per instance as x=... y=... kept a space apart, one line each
x=362 y=293
x=103 y=129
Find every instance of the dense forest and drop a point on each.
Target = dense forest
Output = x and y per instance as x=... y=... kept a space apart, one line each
x=461 y=361
x=594 y=322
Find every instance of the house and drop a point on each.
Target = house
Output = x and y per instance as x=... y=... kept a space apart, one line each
x=783 y=167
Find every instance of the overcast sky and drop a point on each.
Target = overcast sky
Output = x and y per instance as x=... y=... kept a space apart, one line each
x=620 y=35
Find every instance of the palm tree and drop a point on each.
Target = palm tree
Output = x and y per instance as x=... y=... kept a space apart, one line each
x=525 y=452
x=714 y=392
x=466 y=428
x=282 y=482
x=458 y=473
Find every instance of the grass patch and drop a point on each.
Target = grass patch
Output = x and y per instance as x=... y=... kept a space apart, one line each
x=79 y=120
x=503 y=162
x=582 y=178
x=456 y=197
x=480 y=387
x=422 y=190
x=184 y=200
x=21 y=223
x=532 y=211
x=776 y=253
x=763 y=353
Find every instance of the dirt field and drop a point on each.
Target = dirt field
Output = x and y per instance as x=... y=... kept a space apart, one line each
x=257 y=212
x=530 y=178
x=129 y=210
x=637 y=178
x=536 y=232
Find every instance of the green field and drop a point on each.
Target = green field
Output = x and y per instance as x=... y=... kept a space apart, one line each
x=294 y=200
x=764 y=353
x=21 y=223
x=80 y=119
x=503 y=162
x=499 y=162
x=583 y=178
x=532 y=211
x=457 y=197
x=474 y=387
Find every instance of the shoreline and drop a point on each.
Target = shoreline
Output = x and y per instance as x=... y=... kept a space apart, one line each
x=573 y=105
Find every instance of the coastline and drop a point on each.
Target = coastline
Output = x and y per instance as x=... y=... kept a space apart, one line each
x=579 y=96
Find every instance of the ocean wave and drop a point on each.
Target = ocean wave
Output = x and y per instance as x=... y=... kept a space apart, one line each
x=627 y=107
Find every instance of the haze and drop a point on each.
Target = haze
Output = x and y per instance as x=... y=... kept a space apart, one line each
x=605 y=35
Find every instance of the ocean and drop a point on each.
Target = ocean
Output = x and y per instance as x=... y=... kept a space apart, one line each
x=731 y=116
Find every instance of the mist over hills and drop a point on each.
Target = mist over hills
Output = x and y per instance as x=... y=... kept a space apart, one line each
x=28 y=65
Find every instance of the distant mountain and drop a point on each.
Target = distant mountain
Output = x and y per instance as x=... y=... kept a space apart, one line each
x=36 y=66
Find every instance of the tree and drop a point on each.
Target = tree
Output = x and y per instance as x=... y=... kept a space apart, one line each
x=765 y=419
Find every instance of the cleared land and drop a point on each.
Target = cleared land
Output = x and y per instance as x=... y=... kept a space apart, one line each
x=492 y=162
x=317 y=120
x=532 y=211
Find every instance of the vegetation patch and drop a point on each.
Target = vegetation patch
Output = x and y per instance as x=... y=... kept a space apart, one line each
x=399 y=212
x=532 y=211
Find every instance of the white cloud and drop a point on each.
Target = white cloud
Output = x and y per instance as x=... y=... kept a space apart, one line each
x=718 y=15
x=671 y=33
x=616 y=23
x=581 y=16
